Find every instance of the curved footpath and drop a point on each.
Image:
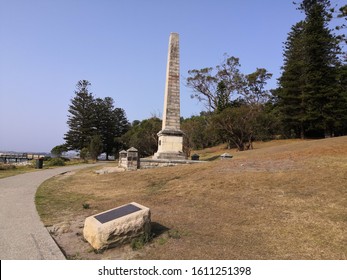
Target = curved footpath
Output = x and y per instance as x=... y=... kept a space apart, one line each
x=22 y=234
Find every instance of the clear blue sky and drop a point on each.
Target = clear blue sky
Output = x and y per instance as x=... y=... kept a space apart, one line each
x=120 y=46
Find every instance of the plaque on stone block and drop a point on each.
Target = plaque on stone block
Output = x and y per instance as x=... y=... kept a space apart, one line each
x=117 y=226
x=117 y=213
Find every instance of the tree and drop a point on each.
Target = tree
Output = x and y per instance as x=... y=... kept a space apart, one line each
x=122 y=127
x=223 y=97
x=216 y=90
x=91 y=116
x=228 y=94
x=84 y=154
x=237 y=124
x=81 y=120
x=95 y=147
x=253 y=90
x=219 y=89
x=199 y=133
x=290 y=95
x=143 y=136
x=58 y=150
x=110 y=124
x=321 y=62
x=341 y=110
x=308 y=95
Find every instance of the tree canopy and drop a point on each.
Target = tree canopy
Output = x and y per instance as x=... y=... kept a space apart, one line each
x=309 y=97
x=94 y=123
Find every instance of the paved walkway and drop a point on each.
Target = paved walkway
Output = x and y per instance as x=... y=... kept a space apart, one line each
x=22 y=234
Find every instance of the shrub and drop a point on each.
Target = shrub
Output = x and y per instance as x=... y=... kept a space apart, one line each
x=56 y=162
x=141 y=241
x=7 y=166
x=86 y=205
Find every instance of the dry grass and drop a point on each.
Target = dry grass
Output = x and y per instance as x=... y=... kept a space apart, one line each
x=283 y=200
x=7 y=170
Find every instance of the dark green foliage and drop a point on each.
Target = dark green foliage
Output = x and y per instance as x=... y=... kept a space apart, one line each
x=310 y=98
x=199 y=133
x=91 y=116
x=216 y=87
x=110 y=124
x=95 y=147
x=141 y=241
x=253 y=90
x=235 y=102
x=291 y=102
x=86 y=206
x=223 y=100
x=143 y=136
x=84 y=154
x=237 y=125
x=56 y=162
x=58 y=150
x=341 y=108
x=82 y=117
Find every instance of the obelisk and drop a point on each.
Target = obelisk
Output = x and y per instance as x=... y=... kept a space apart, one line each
x=170 y=144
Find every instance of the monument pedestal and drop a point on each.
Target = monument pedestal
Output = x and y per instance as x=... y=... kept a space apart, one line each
x=170 y=145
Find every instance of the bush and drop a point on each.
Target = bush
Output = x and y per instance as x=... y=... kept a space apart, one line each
x=56 y=162
x=141 y=241
x=7 y=166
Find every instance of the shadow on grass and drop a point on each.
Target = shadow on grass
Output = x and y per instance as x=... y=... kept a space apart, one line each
x=158 y=229
x=212 y=158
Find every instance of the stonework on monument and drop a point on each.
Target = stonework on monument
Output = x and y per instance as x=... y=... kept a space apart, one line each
x=170 y=144
x=117 y=226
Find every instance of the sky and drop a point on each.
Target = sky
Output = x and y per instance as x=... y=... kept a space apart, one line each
x=120 y=47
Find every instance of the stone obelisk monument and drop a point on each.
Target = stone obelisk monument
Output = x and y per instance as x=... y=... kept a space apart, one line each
x=170 y=144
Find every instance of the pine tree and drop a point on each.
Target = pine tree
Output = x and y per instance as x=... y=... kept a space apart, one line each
x=95 y=147
x=110 y=123
x=290 y=93
x=94 y=117
x=308 y=95
x=81 y=120
x=321 y=64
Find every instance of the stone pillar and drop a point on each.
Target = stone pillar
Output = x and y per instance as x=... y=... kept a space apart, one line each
x=170 y=144
x=132 y=159
x=123 y=159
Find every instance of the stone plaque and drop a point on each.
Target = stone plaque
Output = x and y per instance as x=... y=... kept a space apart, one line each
x=117 y=213
x=117 y=226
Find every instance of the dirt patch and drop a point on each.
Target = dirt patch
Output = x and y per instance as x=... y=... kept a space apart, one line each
x=69 y=237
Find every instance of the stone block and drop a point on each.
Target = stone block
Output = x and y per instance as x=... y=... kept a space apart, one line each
x=117 y=226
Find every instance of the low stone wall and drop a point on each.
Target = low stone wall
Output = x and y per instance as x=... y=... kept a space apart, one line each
x=146 y=163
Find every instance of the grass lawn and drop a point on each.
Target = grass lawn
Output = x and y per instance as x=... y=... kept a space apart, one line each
x=282 y=200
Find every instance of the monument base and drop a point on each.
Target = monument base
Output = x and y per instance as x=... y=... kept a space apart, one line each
x=170 y=145
x=169 y=156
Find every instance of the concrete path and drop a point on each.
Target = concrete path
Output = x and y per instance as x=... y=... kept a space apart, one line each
x=22 y=234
